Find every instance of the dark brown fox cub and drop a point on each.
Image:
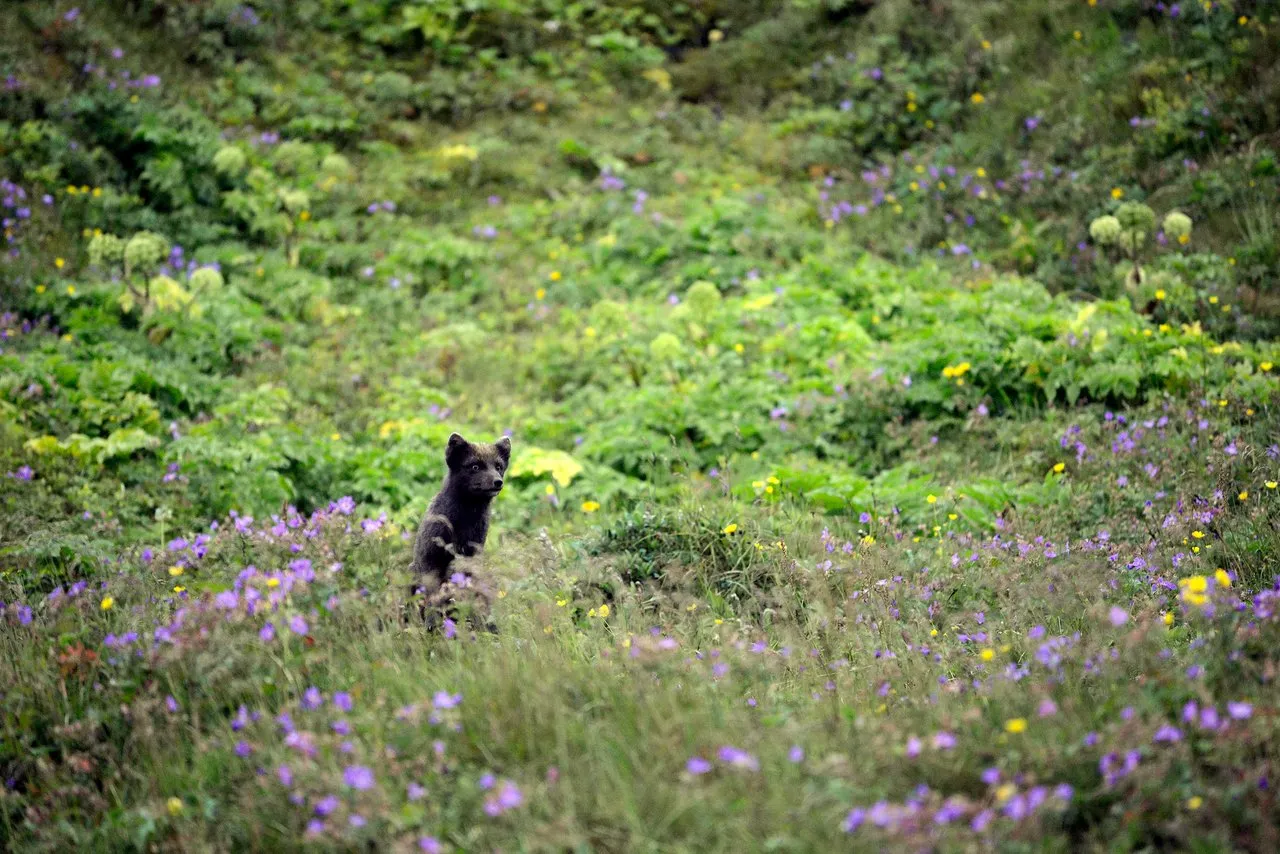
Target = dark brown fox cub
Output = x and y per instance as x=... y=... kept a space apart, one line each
x=457 y=522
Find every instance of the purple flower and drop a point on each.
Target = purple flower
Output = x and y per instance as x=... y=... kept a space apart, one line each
x=796 y=754
x=944 y=741
x=416 y=792
x=697 y=765
x=326 y=805
x=358 y=777
x=312 y=698
x=297 y=625
x=1240 y=711
x=445 y=700
x=738 y=758
x=284 y=775
x=509 y=797
x=430 y=844
x=854 y=820
x=243 y=749
x=914 y=745
x=268 y=632
x=342 y=700
x=1167 y=734
x=1118 y=616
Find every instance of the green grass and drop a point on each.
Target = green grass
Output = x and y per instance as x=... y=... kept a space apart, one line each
x=911 y=526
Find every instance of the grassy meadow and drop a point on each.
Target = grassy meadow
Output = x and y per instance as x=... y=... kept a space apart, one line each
x=892 y=389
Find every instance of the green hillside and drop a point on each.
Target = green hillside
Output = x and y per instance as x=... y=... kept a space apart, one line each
x=891 y=387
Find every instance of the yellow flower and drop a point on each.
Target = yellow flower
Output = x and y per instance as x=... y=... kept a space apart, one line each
x=1160 y=294
x=590 y=506
x=1243 y=496
x=604 y=610
x=550 y=489
x=71 y=290
x=540 y=293
x=693 y=606
x=39 y=289
x=174 y=806
x=305 y=216
x=106 y=603
x=1195 y=802
x=731 y=527
x=335 y=436
x=933 y=633
x=1192 y=586
x=1222 y=578
x=1059 y=468
x=175 y=571
x=97 y=192
x=988 y=654
x=1168 y=618
x=1015 y=725
x=931 y=498
x=1199 y=535
x=1117 y=193
x=59 y=263
x=1271 y=484
x=977 y=98
x=1265 y=367
x=986 y=45
x=715 y=36
x=719 y=622
x=555 y=276
x=560 y=603
x=1077 y=35
x=1242 y=20
x=179 y=589
x=1213 y=300
x=952 y=516
x=502 y=594
x=1005 y=792
x=980 y=172
x=738 y=348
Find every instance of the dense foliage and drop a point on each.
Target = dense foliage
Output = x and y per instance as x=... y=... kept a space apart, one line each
x=892 y=390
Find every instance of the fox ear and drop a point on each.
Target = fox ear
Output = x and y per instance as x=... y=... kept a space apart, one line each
x=504 y=448
x=455 y=449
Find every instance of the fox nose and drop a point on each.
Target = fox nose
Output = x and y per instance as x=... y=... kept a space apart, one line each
x=497 y=483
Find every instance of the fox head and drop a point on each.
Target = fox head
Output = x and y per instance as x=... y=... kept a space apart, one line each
x=478 y=469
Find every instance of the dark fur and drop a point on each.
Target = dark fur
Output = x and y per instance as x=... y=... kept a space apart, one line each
x=457 y=521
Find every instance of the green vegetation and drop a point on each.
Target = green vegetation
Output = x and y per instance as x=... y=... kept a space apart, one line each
x=891 y=385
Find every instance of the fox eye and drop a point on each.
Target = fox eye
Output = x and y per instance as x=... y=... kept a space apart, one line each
x=475 y=467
